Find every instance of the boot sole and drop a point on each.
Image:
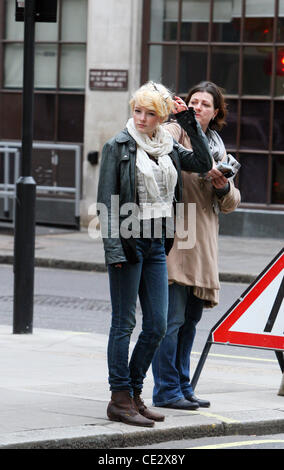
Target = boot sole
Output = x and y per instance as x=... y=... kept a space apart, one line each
x=185 y=408
x=121 y=420
x=158 y=420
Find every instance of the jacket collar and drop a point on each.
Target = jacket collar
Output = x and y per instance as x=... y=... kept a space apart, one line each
x=123 y=137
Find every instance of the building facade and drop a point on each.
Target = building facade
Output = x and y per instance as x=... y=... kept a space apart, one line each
x=88 y=64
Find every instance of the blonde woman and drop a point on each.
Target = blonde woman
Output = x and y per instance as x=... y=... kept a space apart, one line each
x=141 y=167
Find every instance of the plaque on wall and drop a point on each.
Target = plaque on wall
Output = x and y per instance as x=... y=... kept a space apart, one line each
x=108 y=80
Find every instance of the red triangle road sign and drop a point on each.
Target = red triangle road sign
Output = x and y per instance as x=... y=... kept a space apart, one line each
x=257 y=318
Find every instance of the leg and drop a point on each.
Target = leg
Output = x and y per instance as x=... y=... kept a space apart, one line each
x=153 y=294
x=194 y=309
x=187 y=333
x=124 y=285
x=166 y=375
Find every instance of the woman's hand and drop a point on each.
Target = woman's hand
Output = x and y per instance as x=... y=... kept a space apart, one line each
x=179 y=105
x=218 y=180
x=119 y=265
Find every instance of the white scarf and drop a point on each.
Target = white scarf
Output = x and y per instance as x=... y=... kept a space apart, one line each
x=158 y=147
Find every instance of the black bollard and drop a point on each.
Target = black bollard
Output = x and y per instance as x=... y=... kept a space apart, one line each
x=24 y=255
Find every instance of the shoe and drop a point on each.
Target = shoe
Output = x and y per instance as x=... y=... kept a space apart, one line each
x=182 y=404
x=122 y=408
x=202 y=403
x=143 y=410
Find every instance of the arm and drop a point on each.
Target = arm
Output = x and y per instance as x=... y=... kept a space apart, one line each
x=219 y=181
x=230 y=201
x=174 y=129
x=228 y=195
x=109 y=186
x=198 y=160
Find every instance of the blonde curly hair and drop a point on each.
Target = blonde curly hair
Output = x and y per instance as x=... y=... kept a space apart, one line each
x=154 y=96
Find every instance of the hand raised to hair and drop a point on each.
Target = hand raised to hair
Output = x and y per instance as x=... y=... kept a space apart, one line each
x=180 y=105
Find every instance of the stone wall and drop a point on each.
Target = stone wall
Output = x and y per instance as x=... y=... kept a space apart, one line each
x=114 y=43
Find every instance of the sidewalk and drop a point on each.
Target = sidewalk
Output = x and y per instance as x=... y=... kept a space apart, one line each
x=54 y=394
x=240 y=259
x=53 y=388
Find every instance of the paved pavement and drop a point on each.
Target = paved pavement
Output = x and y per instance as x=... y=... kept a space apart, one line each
x=53 y=386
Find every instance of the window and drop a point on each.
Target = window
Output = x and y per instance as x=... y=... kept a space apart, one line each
x=226 y=25
x=238 y=44
x=255 y=124
x=195 y=21
x=253 y=189
x=278 y=179
x=225 y=67
x=193 y=63
x=60 y=69
x=256 y=74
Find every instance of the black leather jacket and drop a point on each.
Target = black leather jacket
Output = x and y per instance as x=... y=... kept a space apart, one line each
x=118 y=177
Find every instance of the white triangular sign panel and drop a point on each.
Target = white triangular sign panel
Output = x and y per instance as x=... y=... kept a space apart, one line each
x=257 y=318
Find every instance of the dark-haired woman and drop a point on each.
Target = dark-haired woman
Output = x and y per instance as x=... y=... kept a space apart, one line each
x=193 y=273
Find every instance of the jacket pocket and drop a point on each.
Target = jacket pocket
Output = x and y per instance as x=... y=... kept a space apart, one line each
x=129 y=248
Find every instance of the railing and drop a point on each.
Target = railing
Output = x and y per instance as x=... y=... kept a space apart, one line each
x=7 y=190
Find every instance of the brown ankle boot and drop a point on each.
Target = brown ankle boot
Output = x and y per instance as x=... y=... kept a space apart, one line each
x=122 y=408
x=143 y=410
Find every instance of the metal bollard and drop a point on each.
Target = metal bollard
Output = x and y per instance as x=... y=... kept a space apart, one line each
x=24 y=242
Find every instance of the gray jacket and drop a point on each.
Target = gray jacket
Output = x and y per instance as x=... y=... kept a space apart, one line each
x=118 y=177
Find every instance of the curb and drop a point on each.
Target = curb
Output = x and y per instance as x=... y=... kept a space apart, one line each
x=123 y=440
x=60 y=264
x=237 y=277
x=101 y=267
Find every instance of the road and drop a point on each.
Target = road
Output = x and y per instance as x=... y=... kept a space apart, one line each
x=270 y=442
x=79 y=301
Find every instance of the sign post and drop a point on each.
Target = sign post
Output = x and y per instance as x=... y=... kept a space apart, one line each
x=24 y=237
x=256 y=319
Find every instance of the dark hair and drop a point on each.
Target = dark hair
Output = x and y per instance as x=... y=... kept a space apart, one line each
x=218 y=100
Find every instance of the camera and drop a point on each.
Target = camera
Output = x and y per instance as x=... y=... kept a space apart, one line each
x=226 y=169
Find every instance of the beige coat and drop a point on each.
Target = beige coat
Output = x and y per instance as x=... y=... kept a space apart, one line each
x=198 y=266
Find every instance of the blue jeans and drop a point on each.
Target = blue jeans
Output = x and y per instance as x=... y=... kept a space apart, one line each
x=149 y=279
x=171 y=362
